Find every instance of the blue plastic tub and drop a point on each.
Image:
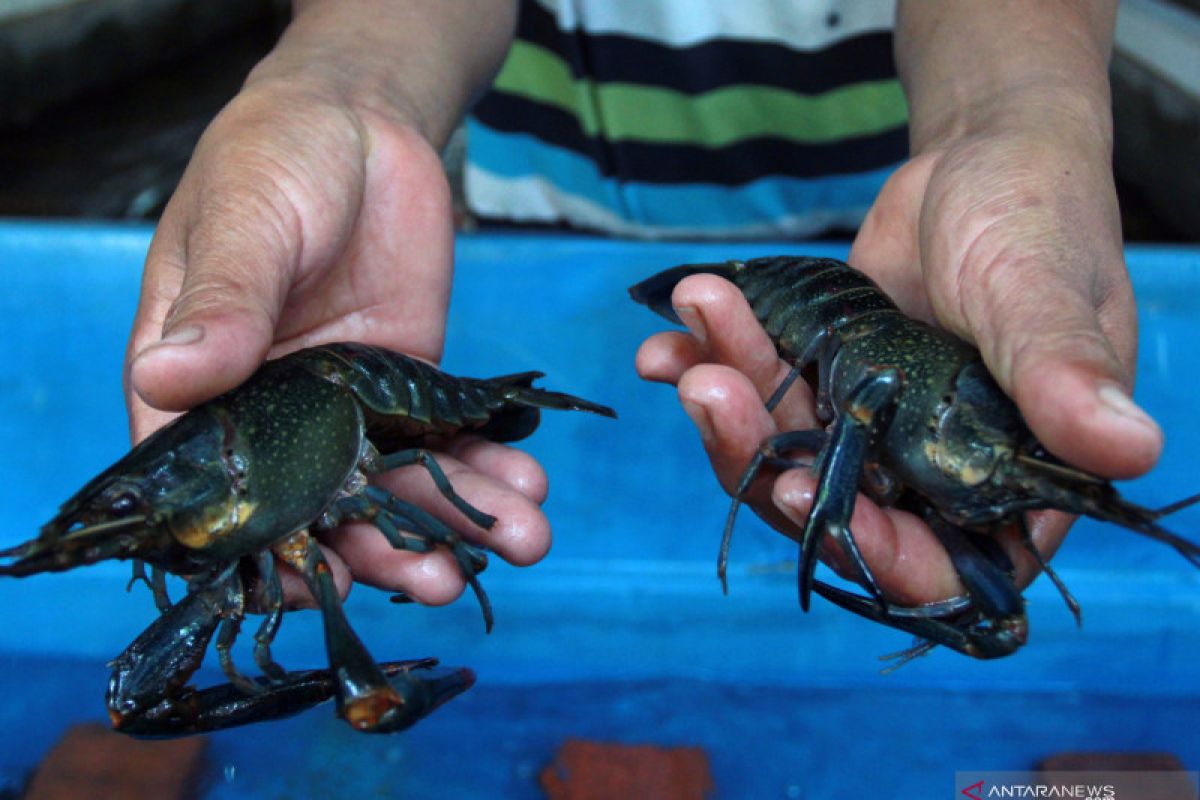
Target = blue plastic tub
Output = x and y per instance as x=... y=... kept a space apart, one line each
x=622 y=633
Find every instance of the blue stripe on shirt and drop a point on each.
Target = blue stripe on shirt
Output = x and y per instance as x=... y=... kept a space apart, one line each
x=508 y=155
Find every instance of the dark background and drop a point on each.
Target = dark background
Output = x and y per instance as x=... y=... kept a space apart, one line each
x=102 y=101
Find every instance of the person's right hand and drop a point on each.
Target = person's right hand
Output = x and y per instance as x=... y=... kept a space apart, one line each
x=303 y=219
x=298 y=221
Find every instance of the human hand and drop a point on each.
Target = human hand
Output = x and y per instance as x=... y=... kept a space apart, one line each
x=307 y=216
x=1010 y=239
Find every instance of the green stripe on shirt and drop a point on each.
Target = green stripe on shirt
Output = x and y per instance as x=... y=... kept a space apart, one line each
x=713 y=119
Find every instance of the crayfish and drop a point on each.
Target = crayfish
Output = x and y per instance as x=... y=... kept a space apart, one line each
x=223 y=491
x=914 y=418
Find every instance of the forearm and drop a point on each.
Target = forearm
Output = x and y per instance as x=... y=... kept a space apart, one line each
x=421 y=61
x=971 y=65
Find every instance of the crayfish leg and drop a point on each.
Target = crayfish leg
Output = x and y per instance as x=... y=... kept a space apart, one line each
x=222 y=707
x=841 y=468
x=156 y=583
x=410 y=527
x=231 y=623
x=424 y=458
x=393 y=517
x=152 y=670
x=1031 y=546
x=769 y=453
x=970 y=633
x=364 y=696
x=265 y=635
x=777 y=395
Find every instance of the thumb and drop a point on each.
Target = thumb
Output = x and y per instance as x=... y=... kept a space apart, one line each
x=228 y=289
x=1054 y=353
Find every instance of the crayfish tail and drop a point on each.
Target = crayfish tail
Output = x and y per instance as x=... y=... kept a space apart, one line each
x=540 y=398
x=519 y=390
x=524 y=402
x=655 y=291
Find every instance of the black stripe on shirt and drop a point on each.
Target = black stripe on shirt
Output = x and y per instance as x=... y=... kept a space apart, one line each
x=733 y=165
x=708 y=65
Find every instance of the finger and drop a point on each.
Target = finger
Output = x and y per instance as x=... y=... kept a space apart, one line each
x=886 y=246
x=718 y=316
x=732 y=422
x=664 y=357
x=521 y=533
x=210 y=301
x=508 y=465
x=433 y=578
x=729 y=416
x=254 y=208
x=1042 y=338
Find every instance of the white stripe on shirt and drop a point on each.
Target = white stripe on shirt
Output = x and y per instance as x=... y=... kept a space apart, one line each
x=800 y=24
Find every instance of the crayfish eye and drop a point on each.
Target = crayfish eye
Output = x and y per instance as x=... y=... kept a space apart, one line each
x=123 y=504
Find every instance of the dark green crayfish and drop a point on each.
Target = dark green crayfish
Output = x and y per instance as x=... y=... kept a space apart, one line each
x=225 y=489
x=916 y=420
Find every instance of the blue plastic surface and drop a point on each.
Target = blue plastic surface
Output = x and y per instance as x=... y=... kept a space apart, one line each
x=622 y=633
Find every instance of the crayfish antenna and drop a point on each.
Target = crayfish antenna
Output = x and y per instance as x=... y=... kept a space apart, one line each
x=1177 y=506
x=58 y=551
x=920 y=648
x=1068 y=489
x=1117 y=510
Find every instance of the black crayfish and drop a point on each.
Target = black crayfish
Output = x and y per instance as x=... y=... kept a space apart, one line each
x=248 y=477
x=914 y=417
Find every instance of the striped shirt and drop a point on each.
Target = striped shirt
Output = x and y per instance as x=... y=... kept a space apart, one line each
x=690 y=118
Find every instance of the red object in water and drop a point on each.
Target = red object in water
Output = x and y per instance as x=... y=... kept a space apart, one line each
x=94 y=762
x=588 y=770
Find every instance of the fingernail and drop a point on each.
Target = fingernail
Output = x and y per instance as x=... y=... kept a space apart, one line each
x=699 y=417
x=1118 y=402
x=188 y=334
x=694 y=322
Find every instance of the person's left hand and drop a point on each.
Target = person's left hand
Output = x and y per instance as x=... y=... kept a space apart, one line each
x=1009 y=238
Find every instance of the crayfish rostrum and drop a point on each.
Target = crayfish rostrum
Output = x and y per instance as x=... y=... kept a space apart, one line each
x=915 y=419
x=223 y=491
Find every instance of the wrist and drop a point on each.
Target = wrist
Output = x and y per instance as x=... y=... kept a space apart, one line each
x=419 y=64
x=1077 y=119
x=973 y=67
